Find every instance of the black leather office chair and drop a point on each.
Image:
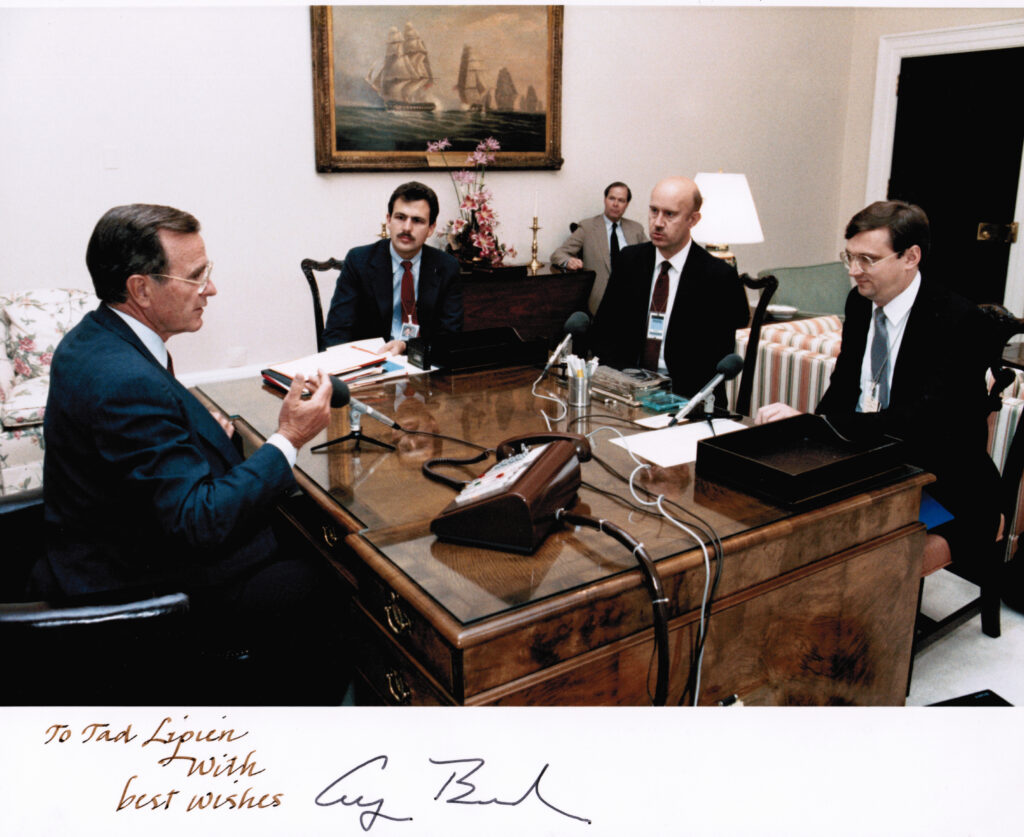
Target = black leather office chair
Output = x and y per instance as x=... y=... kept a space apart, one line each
x=124 y=653
x=308 y=266
x=767 y=286
x=987 y=570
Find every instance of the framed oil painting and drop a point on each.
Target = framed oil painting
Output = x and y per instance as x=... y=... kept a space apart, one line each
x=389 y=79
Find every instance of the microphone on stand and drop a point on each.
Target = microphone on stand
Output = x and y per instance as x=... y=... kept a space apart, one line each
x=728 y=368
x=576 y=326
x=341 y=396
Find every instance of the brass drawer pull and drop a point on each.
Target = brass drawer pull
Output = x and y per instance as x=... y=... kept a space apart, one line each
x=330 y=536
x=397 y=686
x=396 y=618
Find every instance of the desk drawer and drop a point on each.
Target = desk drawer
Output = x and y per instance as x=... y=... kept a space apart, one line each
x=408 y=629
x=387 y=672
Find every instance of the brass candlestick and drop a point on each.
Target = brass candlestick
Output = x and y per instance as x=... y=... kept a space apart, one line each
x=534 y=264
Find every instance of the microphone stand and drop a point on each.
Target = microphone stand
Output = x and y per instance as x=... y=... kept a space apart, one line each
x=355 y=416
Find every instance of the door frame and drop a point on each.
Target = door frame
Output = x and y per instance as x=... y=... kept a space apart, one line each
x=892 y=49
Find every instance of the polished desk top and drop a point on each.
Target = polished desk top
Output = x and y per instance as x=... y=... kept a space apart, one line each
x=385 y=498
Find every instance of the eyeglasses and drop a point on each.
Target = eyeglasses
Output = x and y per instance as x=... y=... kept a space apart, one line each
x=202 y=282
x=863 y=262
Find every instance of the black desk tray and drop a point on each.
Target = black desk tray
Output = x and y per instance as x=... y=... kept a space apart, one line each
x=796 y=461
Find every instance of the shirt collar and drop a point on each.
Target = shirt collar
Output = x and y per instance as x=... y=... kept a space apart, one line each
x=150 y=339
x=900 y=305
x=678 y=261
x=396 y=260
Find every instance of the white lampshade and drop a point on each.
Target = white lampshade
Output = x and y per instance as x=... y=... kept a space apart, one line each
x=728 y=215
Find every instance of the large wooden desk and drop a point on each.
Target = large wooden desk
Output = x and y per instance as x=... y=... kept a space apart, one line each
x=813 y=608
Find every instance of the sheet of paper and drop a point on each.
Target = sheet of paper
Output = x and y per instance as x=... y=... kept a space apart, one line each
x=674 y=445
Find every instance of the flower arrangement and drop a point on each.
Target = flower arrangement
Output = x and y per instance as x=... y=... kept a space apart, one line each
x=471 y=236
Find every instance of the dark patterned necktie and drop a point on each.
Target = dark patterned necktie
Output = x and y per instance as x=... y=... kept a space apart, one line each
x=659 y=302
x=880 y=358
x=613 y=245
x=408 y=294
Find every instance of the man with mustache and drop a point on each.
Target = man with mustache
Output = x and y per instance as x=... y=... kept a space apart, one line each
x=398 y=288
x=670 y=306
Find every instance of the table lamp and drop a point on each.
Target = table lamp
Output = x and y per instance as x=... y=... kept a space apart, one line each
x=728 y=214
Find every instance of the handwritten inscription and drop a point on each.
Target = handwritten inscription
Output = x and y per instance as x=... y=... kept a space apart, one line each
x=186 y=751
x=457 y=789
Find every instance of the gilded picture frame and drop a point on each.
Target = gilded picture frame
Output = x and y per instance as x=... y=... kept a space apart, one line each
x=389 y=79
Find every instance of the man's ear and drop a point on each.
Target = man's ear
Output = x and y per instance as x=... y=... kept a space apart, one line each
x=913 y=256
x=138 y=290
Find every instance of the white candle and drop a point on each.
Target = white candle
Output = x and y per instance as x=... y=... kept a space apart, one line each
x=536 y=203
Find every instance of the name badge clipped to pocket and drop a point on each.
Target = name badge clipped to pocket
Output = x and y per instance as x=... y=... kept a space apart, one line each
x=655 y=326
x=871 y=404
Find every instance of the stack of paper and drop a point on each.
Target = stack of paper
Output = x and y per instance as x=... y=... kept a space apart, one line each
x=358 y=363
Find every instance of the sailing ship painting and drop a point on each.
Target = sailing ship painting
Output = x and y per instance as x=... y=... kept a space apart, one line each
x=404 y=80
x=405 y=75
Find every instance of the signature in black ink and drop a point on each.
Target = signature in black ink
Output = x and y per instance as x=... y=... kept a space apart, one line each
x=460 y=791
x=375 y=807
x=464 y=798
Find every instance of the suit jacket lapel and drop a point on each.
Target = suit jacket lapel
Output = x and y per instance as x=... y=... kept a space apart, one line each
x=602 y=231
x=202 y=422
x=426 y=296
x=383 y=281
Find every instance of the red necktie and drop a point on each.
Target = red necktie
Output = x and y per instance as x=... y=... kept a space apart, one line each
x=408 y=294
x=659 y=302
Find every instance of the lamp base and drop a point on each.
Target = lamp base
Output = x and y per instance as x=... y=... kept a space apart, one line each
x=722 y=251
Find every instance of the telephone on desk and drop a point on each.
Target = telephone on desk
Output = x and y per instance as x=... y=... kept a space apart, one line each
x=512 y=505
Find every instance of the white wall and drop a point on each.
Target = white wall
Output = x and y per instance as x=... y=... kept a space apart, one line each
x=210 y=109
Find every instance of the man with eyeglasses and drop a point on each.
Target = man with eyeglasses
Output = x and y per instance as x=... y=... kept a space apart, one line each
x=912 y=365
x=145 y=493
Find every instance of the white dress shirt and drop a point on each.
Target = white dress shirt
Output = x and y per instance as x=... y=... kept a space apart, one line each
x=896 y=313
x=675 y=270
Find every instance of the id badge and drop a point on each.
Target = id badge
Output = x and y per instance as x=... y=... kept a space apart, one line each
x=656 y=327
x=871 y=404
x=410 y=330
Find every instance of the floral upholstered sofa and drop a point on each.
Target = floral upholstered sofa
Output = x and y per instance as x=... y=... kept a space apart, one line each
x=32 y=322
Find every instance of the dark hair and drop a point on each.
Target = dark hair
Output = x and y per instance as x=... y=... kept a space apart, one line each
x=610 y=186
x=125 y=242
x=907 y=224
x=415 y=191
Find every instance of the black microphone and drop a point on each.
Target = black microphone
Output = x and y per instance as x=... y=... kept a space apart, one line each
x=728 y=368
x=575 y=326
x=341 y=396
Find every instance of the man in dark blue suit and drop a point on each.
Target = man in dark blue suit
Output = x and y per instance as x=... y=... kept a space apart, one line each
x=144 y=491
x=912 y=365
x=670 y=306
x=398 y=288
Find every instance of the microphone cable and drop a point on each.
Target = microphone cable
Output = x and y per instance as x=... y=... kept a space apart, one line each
x=655 y=591
x=707 y=534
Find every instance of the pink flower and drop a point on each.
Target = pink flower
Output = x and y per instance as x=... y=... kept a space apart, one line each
x=46 y=358
x=464 y=176
x=440 y=145
x=469 y=202
x=22 y=368
x=485 y=215
x=489 y=144
x=458 y=225
x=479 y=158
x=27 y=344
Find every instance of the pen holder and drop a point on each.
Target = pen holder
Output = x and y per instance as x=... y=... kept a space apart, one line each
x=579 y=390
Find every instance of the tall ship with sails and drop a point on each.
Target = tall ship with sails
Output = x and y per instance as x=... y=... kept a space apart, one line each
x=473 y=93
x=404 y=78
